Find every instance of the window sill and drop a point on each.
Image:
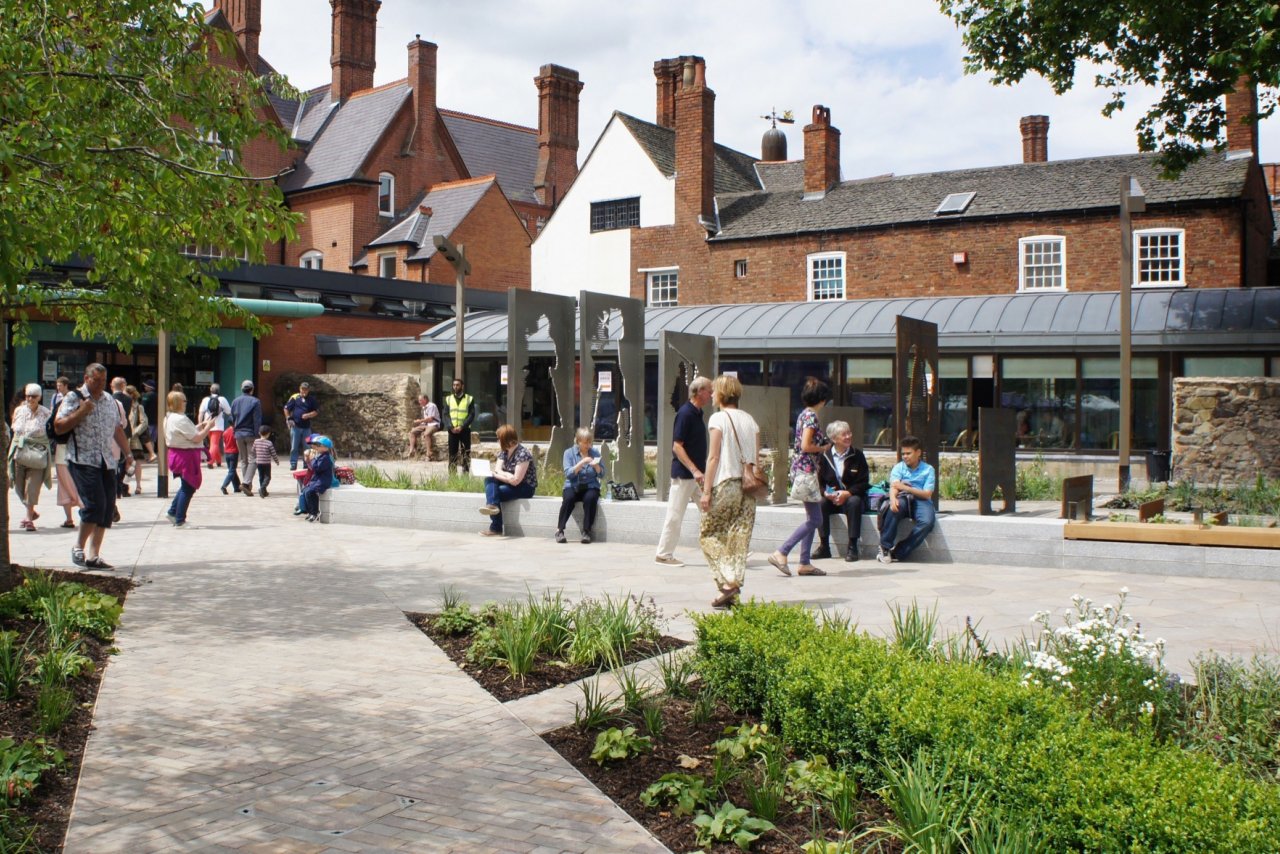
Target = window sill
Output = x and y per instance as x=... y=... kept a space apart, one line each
x=1155 y=286
x=1061 y=290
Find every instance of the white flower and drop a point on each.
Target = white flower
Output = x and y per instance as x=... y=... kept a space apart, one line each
x=1124 y=590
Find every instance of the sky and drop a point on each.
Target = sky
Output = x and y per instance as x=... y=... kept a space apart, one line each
x=891 y=72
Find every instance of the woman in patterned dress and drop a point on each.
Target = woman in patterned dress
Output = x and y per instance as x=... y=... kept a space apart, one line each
x=728 y=516
x=810 y=441
x=514 y=476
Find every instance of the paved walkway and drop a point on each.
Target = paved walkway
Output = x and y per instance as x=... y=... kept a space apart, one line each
x=270 y=695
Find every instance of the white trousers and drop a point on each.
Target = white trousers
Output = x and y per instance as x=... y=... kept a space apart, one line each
x=678 y=496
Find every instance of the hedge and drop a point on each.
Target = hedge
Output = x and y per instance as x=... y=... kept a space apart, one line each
x=1042 y=764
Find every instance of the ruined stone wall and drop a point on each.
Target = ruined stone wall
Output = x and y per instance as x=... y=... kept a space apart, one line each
x=1226 y=429
x=367 y=416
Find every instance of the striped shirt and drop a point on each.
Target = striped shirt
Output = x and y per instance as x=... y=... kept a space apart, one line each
x=264 y=452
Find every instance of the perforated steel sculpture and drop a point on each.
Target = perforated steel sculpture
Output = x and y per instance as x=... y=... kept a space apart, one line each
x=682 y=357
x=611 y=333
x=525 y=311
x=771 y=408
x=917 y=405
x=997 y=459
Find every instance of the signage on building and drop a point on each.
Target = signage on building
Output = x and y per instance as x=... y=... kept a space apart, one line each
x=604 y=381
x=502 y=375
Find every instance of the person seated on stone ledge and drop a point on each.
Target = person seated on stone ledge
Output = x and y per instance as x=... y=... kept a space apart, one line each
x=912 y=483
x=582 y=470
x=424 y=427
x=844 y=478
x=514 y=476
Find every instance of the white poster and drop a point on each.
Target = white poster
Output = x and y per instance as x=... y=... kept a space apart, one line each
x=204 y=377
x=49 y=371
x=604 y=381
x=733 y=374
x=502 y=375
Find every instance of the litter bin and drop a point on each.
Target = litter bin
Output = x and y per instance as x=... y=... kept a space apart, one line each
x=1159 y=464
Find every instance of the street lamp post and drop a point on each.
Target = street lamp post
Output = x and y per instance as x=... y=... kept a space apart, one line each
x=1132 y=201
x=456 y=255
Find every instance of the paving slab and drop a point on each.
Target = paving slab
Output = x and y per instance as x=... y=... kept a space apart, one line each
x=270 y=695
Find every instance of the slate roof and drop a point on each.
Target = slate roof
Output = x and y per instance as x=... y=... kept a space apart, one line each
x=1019 y=189
x=311 y=114
x=735 y=172
x=449 y=204
x=491 y=147
x=348 y=138
x=777 y=176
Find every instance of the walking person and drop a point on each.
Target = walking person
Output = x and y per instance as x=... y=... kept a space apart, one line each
x=67 y=495
x=231 y=453
x=514 y=476
x=118 y=386
x=149 y=406
x=185 y=442
x=264 y=454
x=459 y=412
x=582 y=470
x=728 y=516
x=299 y=411
x=215 y=407
x=138 y=430
x=30 y=463
x=688 y=460
x=246 y=418
x=844 y=477
x=810 y=442
x=92 y=418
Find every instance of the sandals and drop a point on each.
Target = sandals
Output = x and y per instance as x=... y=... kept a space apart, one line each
x=727 y=597
x=26 y=525
x=68 y=524
x=779 y=562
x=809 y=569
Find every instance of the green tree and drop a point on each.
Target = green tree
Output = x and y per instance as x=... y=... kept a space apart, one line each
x=1192 y=51
x=119 y=133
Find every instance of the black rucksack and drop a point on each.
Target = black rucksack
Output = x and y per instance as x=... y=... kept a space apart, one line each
x=54 y=436
x=214 y=407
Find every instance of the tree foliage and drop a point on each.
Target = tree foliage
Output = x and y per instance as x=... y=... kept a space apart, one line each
x=1192 y=51
x=118 y=140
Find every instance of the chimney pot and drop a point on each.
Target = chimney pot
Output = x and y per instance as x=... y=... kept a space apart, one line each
x=1035 y=138
x=1241 y=107
x=558 y=91
x=354 y=44
x=694 y=113
x=821 y=154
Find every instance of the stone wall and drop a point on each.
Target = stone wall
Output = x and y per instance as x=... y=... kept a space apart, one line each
x=1226 y=429
x=367 y=416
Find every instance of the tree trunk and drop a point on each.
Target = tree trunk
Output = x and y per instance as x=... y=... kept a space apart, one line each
x=6 y=568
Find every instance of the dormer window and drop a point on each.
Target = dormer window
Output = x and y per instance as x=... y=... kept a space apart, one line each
x=954 y=204
x=387 y=194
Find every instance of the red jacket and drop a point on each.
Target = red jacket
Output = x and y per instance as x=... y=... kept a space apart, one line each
x=229 y=441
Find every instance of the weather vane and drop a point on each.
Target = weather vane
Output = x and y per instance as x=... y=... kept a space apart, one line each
x=786 y=118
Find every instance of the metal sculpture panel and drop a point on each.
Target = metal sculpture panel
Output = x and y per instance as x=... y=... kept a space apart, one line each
x=997 y=459
x=525 y=310
x=917 y=404
x=1077 y=498
x=771 y=408
x=682 y=357
x=623 y=359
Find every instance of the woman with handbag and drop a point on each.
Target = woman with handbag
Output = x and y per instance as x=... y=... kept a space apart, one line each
x=730 y=485
x=810 y=442
x=29 y=459
x=139 y=428
x=582 y=470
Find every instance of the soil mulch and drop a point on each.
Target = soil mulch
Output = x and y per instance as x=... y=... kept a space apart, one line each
x=48 y=809
x=626 y=780
x=547 y=672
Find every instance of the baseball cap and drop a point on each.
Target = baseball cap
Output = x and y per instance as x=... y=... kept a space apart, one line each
x=246 y=385
x=149 y=384
x=322 y=441
x=304 y=385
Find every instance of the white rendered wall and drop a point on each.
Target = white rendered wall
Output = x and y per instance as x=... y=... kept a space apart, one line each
x=567 y=257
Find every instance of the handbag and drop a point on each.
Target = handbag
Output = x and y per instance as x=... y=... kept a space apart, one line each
x=31 y=455
x=804 y=487
x=753 y=485
x=624 y=491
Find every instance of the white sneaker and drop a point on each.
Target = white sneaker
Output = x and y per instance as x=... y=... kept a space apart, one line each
x=884 y=557
x=667 y=560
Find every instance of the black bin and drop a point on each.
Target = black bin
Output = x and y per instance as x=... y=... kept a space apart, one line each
x=1159 y=465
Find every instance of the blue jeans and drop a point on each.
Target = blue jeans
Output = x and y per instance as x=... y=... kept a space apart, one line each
x=181 y=501
x=297 y=436
x=233 y=477
x=496 y=492
x=924 y=515
x=804 y=534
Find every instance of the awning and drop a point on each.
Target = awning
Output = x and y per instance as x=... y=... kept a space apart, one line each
x=281 y=294
x=342 y=302
x=391 y=306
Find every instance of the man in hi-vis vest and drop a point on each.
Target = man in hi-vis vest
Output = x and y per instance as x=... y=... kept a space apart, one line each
x=459 y=411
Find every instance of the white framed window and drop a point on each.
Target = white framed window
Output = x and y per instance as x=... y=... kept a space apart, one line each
x=387 y=194
x=663 y=287
x=387 y=266
x=313 y=260
x=740 y=268
x=1042 y=263
x=1159 y=258
x=826 y=276
x=206 y=250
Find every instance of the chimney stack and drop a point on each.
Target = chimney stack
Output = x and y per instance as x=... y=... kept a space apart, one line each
x=558 y=90
x=353 y=46
x=1035 y=138
x=668 y=73
x=1242 y=106
x=421 y=140
x=695 y=124
x=821 y=154
x=245 y=18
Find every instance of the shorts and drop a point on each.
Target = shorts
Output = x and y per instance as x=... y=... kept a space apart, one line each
x=97 y=488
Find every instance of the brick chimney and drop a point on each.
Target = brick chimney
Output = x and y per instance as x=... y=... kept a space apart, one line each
x=695 y=123
x=1035 y=138
x=1242 y=103
x=245 y=18
x=420 y=142
x=353 y=46
x=821 y=154
x=668 y=74
x=558 y=90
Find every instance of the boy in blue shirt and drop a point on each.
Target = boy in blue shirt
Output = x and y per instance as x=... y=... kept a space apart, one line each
x=911 y=486
x=321 y=479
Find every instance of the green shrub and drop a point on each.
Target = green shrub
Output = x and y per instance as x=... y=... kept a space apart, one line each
x=613 y=744
x=1234 y=713
x=1035 y=483
x=1038 y=760
x=958 y=479
x=21 y=766
x=65 y=606
x=458 y=620
x=729 y=824
x=685 y=793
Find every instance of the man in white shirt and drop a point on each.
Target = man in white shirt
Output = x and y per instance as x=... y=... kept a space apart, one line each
x=216 y=405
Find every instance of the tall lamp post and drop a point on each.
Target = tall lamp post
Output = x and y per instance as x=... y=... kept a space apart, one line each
x=456 y=255
x=1132 y=201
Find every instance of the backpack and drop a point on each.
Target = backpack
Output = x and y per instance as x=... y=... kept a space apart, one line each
x=54 y=436
x=214 y=407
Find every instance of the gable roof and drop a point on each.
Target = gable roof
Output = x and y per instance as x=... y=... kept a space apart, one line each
x=735 y=172
x=347 y=139
x=449 y=204
x=490 y=147
x=1017 y=190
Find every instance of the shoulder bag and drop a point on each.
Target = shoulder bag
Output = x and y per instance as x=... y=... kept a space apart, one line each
x=753 y=485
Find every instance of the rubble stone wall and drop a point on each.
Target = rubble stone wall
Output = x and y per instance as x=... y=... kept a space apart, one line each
x=1226 y=429
x=366 y=416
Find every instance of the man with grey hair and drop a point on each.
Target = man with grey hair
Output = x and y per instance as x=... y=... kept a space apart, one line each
x=688 y=459
x=844 y=477
x=246 y=417
x=96 y=439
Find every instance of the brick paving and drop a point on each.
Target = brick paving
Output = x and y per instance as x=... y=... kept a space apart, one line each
x=270 y=695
